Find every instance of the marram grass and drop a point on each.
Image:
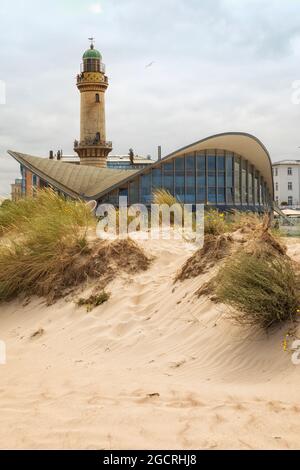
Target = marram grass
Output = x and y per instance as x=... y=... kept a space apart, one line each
x=262 y=290
x=42 y=238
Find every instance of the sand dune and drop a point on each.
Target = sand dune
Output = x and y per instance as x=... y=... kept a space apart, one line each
x=154 y=367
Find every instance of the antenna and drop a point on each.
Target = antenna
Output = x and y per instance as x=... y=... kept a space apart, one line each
x=92 y=42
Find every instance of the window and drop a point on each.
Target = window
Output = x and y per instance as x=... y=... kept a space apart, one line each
x=113 y=197
x=212 y=177
x=221 y=176
x=237 y=179
x=156 y=178
x=134 y=192
x=250 y=185
x=34 y=180
x=290 y=171
x=97 y=98
x=276 y=186
x=91 y=65
x=168 y=181
x=261 y=190
x=190 y=179
x=277 y=199
x=276 y=171
x=146 y=188
x=179 y=179
x=229 y=178
x=256 y=188
x=290 y=200
x=290 y=186
x=201 y=177
x=244 y=182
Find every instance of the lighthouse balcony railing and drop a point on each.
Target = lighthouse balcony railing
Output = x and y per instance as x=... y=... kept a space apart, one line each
x=94 y=66
x=92 y=143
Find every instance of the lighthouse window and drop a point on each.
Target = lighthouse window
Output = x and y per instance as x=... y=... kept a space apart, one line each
x=97 y=98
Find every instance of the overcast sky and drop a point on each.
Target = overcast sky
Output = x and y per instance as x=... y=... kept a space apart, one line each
x=218 y=65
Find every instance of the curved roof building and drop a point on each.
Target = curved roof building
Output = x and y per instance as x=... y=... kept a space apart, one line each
x=230 y=170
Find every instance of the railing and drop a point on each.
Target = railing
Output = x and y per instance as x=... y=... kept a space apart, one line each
x=90 y=142
x=93 y=67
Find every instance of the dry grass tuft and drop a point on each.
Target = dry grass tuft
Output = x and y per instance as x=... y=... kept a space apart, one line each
x=264 y=243
x=94 y=301
x=52 y=253
x=162 y=196
x=258 y=280
x=215 y=248
x=208 y=289
x=262 y=290
x=246 y=222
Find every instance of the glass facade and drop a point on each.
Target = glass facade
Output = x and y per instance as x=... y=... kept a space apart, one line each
x=210 y=177
x=237 y=180
x=190 y=180
x=179 y=179
x=201 y=178
x=146 y=190
x=156 y=178
x=229 y=178
x=221 y=178
x=168 y=177
x=134 y=194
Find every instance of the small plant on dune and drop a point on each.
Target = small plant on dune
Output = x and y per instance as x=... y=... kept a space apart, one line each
x=14 y=214
x=46 y=251
x=162 y=196
x=94 y=301
x=214 y=222
x=51 y=235
x=262 y=290
x=46 y=207
x=242 y=221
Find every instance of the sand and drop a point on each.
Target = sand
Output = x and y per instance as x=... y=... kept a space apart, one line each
x=154 y=367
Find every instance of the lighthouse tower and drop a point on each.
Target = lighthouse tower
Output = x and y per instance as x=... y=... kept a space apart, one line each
x=92 y=84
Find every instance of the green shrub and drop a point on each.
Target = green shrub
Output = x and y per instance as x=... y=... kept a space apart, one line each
x=214 y=222
x=262 y=290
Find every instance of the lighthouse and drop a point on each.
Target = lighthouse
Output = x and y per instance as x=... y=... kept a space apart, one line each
x=92 y=83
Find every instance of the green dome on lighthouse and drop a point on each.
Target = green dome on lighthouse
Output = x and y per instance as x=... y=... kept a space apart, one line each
x=92 y=53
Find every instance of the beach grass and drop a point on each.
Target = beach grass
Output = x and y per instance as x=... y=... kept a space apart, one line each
x=261 y=289
x=42 y=237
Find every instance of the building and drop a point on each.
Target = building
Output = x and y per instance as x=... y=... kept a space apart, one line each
x=92 y=83
x=231 y=170
x=121 y=162
x=287 y=183
x=16 y=190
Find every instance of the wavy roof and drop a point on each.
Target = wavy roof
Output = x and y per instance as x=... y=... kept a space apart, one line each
x=74 y=180
x=92 y=183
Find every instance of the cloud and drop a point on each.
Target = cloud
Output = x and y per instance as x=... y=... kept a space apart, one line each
x=96 y=8
x=219 y=65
